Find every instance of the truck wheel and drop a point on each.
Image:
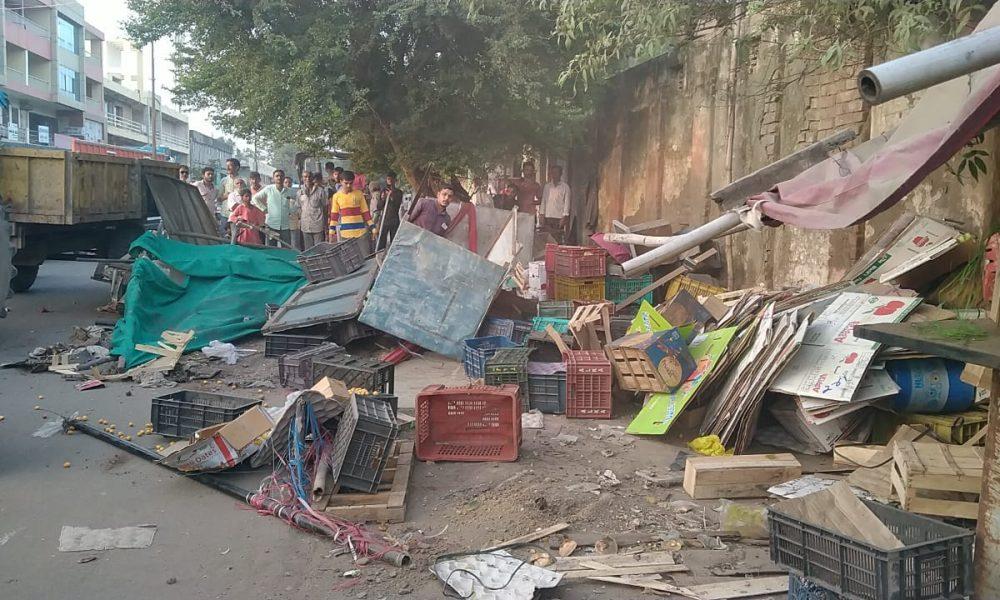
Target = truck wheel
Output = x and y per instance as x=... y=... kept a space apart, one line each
x=24 y=279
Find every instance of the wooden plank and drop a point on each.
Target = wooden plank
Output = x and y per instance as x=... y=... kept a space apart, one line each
x=529 y=537
x=575 y=563
x=942 y=338
x=384 y=506
x=615 y=572
x=726 y=590
x=556 y=339
x=746 y=476
x=649 y=288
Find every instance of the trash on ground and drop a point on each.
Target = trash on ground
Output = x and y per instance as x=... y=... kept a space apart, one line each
x=80 y=539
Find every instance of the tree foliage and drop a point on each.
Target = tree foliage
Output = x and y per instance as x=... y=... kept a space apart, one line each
x=455 y=84
x=608 y=32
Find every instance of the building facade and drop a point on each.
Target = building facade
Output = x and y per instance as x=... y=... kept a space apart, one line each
x=208 y=151
x=52 y=73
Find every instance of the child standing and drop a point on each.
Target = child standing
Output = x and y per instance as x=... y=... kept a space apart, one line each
x=246 y=212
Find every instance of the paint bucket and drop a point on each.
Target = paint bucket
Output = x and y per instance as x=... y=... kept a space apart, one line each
x=930 y=386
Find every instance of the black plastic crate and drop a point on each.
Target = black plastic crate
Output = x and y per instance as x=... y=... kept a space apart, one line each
x=935 y=562
x=295 y=369
x=326 y=260
x=351 y=330
x=370 y=374
x=521 y=331
x=179 y=414
x=279 y=344
x=391 y=399
x=370 y=444
x=547 y=391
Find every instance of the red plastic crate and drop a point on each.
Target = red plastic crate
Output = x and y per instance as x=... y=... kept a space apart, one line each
x=580 y=261
x=550 y=257
x=468 y=424
x=588 y=385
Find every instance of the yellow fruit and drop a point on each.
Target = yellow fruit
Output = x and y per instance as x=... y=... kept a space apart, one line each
x=41 y=397
x=2 y=417
x=128 y=438
x=130 y=424
x=140 y=432
x=83 y=418
x=66 y=465
x=38 y=407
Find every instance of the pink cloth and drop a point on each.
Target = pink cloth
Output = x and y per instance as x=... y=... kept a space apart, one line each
x=619 y=252
x=248 y=213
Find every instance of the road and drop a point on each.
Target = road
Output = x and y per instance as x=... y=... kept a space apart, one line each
x=207 y=542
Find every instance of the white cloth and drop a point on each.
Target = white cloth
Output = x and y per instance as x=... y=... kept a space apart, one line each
x=232 y=201
x=555 y=200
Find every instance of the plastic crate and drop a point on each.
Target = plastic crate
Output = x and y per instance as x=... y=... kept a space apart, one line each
x=620 y=325
x=351 y=330
x=695 y=287
x=279 y=344
x=179 y=414
x=550 y=258
x=568 y=288
x=557 y=309
x=510 y=366
x=798 y=589
x=617 y=289
x=478 y=350
x=547 y=387
x=295 y=369
x=540 y=324
x=588 y=385
x=936 y=561
x=495 y=326
x=468 y=424
x=326 y=260
x=580 y=261
x=370 y=374
x=521 y=331
x=955 y=428
x=370 y=445
x=391 y=399
x=269 y=309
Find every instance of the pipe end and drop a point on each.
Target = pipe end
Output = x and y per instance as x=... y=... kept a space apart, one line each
x=869 y=87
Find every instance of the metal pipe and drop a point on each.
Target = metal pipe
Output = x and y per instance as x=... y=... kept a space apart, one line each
x=679 y=244
x=658 y=240
x=272 y=506
x=930 y=67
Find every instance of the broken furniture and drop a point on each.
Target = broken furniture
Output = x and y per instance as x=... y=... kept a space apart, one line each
x=589 y=323
x=324 y=303
x=938 y=479
x=388 y=502
x=468 y=424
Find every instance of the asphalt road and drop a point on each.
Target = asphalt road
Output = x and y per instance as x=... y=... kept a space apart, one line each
x=207 y=545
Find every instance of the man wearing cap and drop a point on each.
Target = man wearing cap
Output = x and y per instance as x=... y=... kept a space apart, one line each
x=349 y=215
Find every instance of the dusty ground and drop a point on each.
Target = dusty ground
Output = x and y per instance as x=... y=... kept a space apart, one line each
x=211 y=547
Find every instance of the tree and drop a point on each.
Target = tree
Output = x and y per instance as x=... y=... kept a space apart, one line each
x=447 y=84
x=610 y=32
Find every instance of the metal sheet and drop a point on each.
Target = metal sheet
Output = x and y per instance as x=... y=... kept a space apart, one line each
x=6 y=254
x=182 y=210
x=431 y=292
x=324 y=302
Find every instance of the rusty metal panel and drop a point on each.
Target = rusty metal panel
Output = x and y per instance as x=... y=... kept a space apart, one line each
x=324 y=302
x=431 y=292
x=183 y=211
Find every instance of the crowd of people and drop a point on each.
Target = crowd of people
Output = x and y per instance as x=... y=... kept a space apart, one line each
x=337 y=205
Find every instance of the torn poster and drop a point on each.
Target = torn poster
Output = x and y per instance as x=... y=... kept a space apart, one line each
x=832 y=362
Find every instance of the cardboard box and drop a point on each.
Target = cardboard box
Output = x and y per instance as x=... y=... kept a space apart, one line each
x=220 y=446
x=655 y=361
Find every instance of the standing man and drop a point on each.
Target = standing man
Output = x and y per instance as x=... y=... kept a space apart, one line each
x=210 y=194
x=390 y=202
x=432 y=213
x=183 y=172
x=349 y=215
x=228 y=183
x=271 y=200
x=480 y=196
x=291 y=198
x=333 y=175
x=555 y=204
x=529 y=192
x=312 y=209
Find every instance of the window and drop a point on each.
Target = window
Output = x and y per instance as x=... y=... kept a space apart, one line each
x=67 y=34
x=68 y=82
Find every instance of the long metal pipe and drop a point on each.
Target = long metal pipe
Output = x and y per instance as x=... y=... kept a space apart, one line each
x=272 y=506
x=679 y=244
x=921 y=70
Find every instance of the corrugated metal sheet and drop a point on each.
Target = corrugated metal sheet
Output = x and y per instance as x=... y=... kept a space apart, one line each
x=324 y=302
x=431 y=292
x=182 y=209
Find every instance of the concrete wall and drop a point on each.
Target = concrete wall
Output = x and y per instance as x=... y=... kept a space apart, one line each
x=681 y=126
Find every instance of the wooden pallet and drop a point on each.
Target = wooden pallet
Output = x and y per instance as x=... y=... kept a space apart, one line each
x=634 y=370
x=588 y=322
x=388 y=505
x=938 y=479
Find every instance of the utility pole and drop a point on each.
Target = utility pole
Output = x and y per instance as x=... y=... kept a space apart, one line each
x=152 y=72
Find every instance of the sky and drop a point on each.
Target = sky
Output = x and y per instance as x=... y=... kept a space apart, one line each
x=108 y=16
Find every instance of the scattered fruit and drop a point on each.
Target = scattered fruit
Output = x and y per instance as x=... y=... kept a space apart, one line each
x=41 y=397
x=130 y=424
x=66 y=465
x=1 y=417
x=83 y=418
x=128 y=438
x=140 y=432
x=38 y=407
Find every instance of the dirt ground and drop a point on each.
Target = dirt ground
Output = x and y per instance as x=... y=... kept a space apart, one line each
x=208 y=545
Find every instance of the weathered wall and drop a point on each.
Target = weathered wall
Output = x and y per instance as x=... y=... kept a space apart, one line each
x=676 y=128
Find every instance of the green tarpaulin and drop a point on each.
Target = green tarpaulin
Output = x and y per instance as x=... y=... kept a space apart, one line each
x=221 y=297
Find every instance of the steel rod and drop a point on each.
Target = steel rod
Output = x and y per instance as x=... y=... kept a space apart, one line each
x=679 y=244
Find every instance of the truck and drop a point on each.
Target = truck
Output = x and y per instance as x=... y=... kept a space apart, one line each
x=60 y=201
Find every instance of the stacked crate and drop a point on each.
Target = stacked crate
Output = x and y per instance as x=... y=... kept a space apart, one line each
x=588 y=385
x=578 y=273
x=510 y=366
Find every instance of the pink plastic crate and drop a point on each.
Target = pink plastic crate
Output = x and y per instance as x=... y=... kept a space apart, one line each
x=580 y=261
x=468 y=424
x=588 y=385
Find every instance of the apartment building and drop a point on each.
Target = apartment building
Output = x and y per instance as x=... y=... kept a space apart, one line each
x=52 y=72
x=129 y=101
x=208 y=151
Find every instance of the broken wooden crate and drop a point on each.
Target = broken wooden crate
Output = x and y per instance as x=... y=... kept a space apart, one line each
x=657 y=361
x=746 y=476
x=388 y=503
x=938 y=479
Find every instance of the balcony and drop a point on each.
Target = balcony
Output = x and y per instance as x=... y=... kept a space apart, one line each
x=175 y=141
x=15 y=74
x=26 y=23
x=128 y=124
x=38 y=83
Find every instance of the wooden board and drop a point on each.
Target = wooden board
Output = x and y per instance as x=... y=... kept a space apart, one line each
x=746 y=476
x=938 y=479
x=387 y=506
x=726 y=590
x=575 y=563
x=933 y=338
x=613 y=572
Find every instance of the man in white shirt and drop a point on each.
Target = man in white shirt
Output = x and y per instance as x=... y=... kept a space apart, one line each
x=480 y=196
x=210 y=194
x=555 y=204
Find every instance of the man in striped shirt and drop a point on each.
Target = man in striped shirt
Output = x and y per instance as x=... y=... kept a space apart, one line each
x=349 y=215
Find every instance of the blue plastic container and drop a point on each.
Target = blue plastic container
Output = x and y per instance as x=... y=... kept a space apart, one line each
x=930 y=386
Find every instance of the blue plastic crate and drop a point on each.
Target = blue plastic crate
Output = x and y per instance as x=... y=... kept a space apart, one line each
x=495 y=326
x=521 y=331
x=478 y=350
